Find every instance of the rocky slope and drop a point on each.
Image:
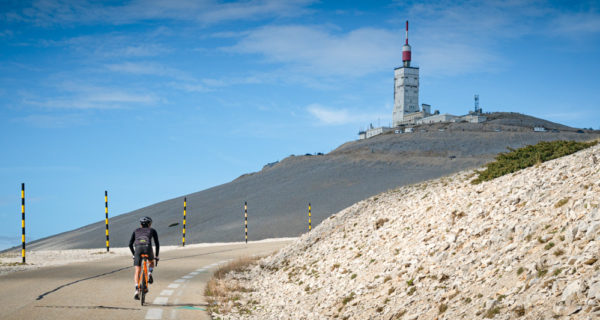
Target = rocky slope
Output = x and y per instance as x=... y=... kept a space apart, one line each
x=524 y=246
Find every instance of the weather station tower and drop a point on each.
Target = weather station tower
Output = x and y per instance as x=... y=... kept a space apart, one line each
x=406 y=87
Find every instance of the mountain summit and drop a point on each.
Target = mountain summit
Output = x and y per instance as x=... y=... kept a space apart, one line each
x=279 y=194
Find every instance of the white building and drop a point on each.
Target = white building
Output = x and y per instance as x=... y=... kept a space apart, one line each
x=406 y=94
x=376 y=131
x=437 y=118
x=473 y=118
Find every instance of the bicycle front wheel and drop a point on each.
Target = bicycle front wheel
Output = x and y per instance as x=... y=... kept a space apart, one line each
x=143 y=292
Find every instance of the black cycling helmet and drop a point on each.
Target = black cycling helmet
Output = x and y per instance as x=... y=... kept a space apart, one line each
x=146 y=221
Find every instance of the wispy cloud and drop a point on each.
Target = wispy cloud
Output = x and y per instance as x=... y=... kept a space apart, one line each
x=448 y=39
x=184 y=80
x=40 y=168
x=112 y=45
x=190 y=87
x=6 y=33
x=67 y=12
x=53 y=121
x=577 y=24
x=332 y=116
x=149 y=68
x=451 y=35
x=77 y=96
x=322 y=50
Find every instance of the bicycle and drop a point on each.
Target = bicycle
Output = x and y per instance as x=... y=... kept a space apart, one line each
x=143 y=280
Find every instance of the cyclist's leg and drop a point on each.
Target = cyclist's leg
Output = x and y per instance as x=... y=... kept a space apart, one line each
x=148 y=250
x=137 y=282
x=136 y=275
x=150 y=253
x=143 y=284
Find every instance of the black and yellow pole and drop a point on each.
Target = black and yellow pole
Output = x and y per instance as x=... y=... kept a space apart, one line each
x=106 y=218
x=184 y=213
x=23 y=221
x=246 y=219
x=309 y=216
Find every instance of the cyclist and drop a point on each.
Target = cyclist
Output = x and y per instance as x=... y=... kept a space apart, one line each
x=142 y=239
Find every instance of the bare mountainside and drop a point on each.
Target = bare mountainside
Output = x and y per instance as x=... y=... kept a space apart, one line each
x=522 y=246
x=278 y=195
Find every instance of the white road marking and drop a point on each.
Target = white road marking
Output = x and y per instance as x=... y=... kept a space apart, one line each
x=166 y=292
x=161 y=300
x=154 y=314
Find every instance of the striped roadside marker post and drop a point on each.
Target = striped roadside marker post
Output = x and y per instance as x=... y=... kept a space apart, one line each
x=246 y=219
x=23 y=221
x=309 y=216
x=106 y=218
x=184 y=215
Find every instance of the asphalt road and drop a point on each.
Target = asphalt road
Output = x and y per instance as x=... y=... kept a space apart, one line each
x=104 y=289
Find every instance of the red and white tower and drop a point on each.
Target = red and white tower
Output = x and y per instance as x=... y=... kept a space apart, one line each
x=406 y=89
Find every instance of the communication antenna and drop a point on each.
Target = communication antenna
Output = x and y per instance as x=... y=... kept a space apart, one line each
x=477 y=110
x=406 y=50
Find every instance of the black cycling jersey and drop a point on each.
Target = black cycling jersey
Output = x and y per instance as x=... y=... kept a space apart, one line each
x=144 y=236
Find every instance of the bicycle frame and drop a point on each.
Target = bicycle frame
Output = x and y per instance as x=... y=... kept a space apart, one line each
x=143 y=281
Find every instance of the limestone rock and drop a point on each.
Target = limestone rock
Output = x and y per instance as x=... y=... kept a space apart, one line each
x=572 y=291
x=448 y=250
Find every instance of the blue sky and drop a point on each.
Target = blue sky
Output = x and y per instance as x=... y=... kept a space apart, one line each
x=155 y=99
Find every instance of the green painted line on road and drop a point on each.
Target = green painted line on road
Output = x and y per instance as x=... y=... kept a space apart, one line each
x=191 y=308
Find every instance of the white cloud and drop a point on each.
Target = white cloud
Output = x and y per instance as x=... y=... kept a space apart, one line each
x=447 y=38
x=577 y=24
x=112 y=45
x=455 y=37
x=68 y=12
x=185 y=81
x=331 y=116
x=6 y=33
x=76 y=96
x=189 y=87
x=453 y=58
x=149 y=68
x=320 y=50
x=53 y=121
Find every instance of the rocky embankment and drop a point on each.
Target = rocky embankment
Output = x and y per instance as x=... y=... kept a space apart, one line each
x=524 y=246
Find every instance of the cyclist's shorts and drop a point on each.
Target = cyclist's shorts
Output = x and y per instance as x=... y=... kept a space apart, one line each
x=142 y=249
